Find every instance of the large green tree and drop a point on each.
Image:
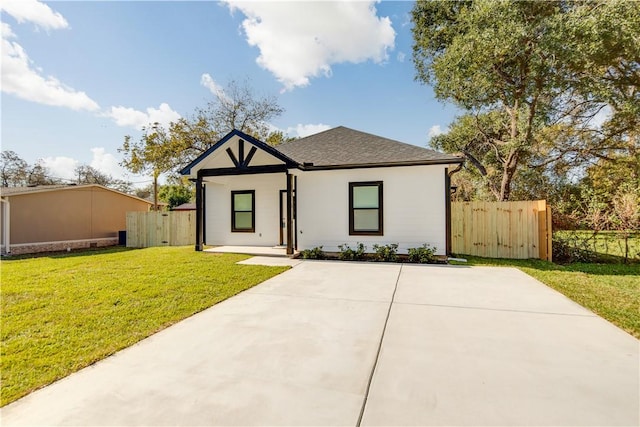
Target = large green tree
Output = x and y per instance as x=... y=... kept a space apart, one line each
x=155 y=153
x=538 y=82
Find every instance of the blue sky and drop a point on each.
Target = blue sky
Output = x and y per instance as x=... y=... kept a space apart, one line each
x=78 y=76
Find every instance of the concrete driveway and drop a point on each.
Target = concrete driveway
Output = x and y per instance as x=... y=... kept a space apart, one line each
x=334 y=343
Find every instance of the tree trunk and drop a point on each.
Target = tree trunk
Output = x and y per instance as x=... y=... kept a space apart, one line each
x=509 y=170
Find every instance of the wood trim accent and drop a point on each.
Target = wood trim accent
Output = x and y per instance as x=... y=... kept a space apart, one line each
x=253 y=212
x=232 y=157
x=246 y=171
x=240 y=152
x=380 y=231
x=250 y=156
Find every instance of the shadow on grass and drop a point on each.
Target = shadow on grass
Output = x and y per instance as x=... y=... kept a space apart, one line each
x=71 y=254
x=607 y=269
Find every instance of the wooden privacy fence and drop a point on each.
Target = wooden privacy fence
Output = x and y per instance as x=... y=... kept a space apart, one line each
x=502 y=229
x=175 y=228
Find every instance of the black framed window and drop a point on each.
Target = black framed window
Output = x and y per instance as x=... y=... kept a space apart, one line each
x=243 y=211
x=365 y=208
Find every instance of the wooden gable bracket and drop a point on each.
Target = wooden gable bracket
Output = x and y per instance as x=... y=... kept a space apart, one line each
x=241 y=162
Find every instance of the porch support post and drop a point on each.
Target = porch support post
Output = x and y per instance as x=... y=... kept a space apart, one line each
x=289 y=214
x=199 y=213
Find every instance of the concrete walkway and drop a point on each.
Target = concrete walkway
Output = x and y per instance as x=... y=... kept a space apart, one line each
x=273 y=251
x=335 y=343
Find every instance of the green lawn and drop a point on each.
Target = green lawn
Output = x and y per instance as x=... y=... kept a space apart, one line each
x=609 y=290
x=61 y=313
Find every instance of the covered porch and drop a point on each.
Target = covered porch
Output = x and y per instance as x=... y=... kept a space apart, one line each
x=245 y=197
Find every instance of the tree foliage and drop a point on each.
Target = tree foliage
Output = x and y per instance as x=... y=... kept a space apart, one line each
x=542 y=84
x=237 y=106
x=89 y=175
x=16 y=172
x=13 y=169
x=176 y=194
x=163 y=150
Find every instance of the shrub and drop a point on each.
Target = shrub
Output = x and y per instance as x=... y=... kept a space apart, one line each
x=348 y=254
x=423 y=255
x=572 y=249
x=315 y=253
x=387 y=253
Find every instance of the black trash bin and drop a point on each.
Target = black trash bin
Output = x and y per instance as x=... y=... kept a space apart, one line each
x=122 y=237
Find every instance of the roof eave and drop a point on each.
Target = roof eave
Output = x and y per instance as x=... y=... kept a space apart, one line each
x=454 y=160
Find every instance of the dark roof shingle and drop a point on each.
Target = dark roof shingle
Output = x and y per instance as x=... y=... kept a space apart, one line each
x=342 y=146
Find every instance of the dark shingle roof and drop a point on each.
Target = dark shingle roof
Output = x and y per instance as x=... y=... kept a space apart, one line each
x=342 y=146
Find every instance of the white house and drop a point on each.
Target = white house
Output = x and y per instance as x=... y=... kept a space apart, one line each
x=338 y=186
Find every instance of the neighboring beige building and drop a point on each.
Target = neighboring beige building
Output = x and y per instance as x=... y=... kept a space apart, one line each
x=60 y=217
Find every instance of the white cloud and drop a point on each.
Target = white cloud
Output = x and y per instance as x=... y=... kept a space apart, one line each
x=61 y=167
x=300 y=40
x=33 y=11
x=106 y=163
x=301 y=130
x=20 y=77
x=436 y=130
x=125 y=116
x=401 y=56
x=207 y=81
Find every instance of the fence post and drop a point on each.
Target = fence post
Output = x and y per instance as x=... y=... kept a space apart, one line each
x=542 y=230
x=549 y=235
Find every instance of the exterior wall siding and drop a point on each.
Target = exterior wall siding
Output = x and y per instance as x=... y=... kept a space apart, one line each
x=70 y=214
x=267 y=209
x=413 y=207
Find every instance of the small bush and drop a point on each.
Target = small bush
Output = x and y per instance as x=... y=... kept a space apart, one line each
x=315 y=253
x=425 y=254
x=348 y=254
x=568 y=250
x=386 y=253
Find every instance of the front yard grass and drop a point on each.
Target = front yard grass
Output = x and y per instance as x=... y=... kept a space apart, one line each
x=61 y=313
x=610 y=290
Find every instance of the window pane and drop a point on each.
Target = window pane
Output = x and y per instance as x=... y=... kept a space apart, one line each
x=365 y=197
x=243 y=220
x=242 y=202
x=365 y=220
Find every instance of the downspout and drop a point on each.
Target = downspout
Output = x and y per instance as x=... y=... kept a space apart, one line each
x=6 y=225
x=447 y=192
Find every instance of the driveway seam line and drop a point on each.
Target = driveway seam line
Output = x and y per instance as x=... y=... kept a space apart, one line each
x=315 y=297
x=375 y=362
x=498 y=309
